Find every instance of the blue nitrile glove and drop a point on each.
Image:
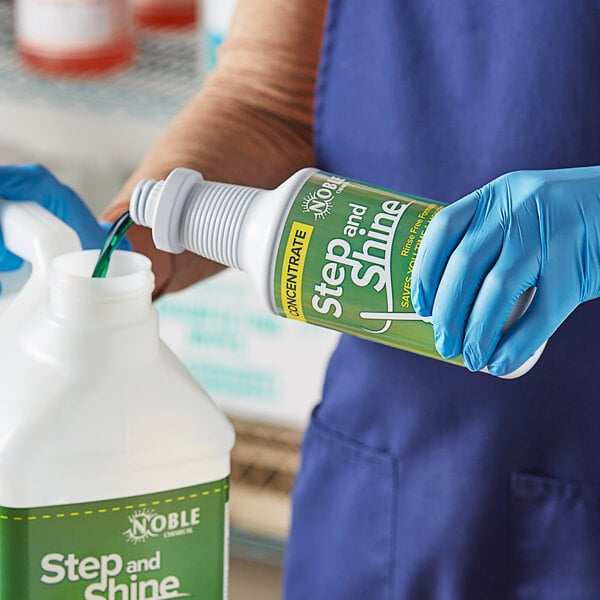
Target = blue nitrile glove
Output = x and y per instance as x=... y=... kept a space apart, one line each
x=524 y=229
x=34 y=182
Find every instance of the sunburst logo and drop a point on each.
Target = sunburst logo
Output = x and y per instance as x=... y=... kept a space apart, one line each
x=140 y=528
x=319 y=207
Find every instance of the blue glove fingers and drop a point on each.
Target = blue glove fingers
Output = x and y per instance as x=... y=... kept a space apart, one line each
x=27 y=182
x=463 y=274
x=499 y=292
x=34 y=182
x=8 y=261
x=79 y=217
x=18 y=183
x=459 y=286
x=521 y=341
x=441 y=238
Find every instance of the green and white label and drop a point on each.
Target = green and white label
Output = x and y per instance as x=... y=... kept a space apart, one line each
x=152 y=547
x=345 y=261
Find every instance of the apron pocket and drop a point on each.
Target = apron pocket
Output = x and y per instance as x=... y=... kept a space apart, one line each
x=556 y=539
x=343 y=526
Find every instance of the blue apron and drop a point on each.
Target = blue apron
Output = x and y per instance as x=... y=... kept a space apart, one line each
x=420 y=480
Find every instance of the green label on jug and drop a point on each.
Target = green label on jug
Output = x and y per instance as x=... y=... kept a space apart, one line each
x=152 y=547
x=346 y=258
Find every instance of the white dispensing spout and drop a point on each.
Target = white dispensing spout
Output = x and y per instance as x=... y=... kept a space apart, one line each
x=185 y=212
x=162 y=212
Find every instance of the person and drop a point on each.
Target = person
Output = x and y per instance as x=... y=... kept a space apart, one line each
x=420 y=479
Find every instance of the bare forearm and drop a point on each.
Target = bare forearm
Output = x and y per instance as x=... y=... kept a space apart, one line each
x=252 y=122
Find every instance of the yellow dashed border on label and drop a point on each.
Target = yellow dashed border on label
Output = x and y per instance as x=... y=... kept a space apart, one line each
x=109 y=509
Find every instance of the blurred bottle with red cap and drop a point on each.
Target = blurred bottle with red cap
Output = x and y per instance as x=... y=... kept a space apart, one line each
x=166 y=14
x=74 y=38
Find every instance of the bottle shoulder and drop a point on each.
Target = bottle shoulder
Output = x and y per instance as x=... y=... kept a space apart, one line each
x=70 y=423
x=262 y=229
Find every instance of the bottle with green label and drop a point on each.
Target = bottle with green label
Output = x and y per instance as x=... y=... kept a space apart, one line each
x=114 y=463
x=323 y=249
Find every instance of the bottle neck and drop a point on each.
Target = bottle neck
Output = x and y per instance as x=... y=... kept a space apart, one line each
x=187 y=212
x=123 y=296
x=221 y=209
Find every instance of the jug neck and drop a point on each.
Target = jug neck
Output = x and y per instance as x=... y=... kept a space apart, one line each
x=123 y=296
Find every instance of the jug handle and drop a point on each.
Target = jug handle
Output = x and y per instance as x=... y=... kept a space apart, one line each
x=37 y=236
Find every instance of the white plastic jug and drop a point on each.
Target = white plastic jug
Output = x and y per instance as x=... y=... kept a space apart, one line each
x=114 y=462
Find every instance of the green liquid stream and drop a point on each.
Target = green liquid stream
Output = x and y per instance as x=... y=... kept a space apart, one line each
x=115 y=235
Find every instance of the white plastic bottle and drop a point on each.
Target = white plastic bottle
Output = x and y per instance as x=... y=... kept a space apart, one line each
x=114 y=463
x=322 y=249
x=74 y=38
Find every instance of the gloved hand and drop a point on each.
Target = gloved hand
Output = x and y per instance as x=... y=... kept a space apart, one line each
x=34 y=182
x=524 y=229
